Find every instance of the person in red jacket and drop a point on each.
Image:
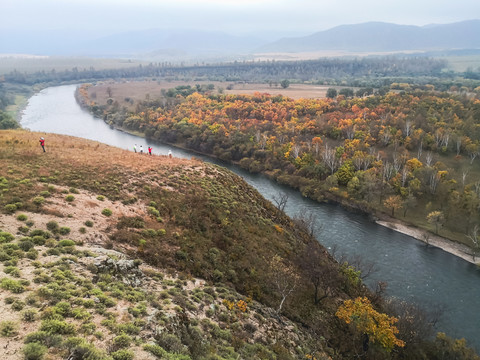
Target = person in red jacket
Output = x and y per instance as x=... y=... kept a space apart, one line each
x=42 y=143
x=150 y=150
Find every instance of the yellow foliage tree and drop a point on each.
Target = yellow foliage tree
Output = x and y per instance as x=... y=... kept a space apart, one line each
x=379 y=327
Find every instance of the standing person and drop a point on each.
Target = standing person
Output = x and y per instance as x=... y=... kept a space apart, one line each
x=42 y=143
x=135 y=147
x=150 y=150
x=169 y=153
x=141 y=149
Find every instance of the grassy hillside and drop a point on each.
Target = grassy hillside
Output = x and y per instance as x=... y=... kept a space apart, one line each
x=208 y=234
x=108 y=254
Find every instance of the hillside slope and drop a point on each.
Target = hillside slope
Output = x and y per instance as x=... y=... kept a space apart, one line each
x=201 y=239
x=108 y=254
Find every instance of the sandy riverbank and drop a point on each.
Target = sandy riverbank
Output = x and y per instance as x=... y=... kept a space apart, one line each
x=449 y=246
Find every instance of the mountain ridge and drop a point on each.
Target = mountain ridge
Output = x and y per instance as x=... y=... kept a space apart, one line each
x=381 y=36
x=165 y=44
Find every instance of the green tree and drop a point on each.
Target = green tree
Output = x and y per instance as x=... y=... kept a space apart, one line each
x=345 y=173
x=285 y=83
x=332 y=93
x=347 y=92
x=436 y=218
x=7 y=122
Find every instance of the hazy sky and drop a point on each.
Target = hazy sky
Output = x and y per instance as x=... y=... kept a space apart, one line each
x=232 y=16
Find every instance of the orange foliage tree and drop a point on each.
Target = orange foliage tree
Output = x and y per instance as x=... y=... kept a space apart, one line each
x=378 y=326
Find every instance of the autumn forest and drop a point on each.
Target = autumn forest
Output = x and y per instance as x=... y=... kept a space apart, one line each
x=406 y=154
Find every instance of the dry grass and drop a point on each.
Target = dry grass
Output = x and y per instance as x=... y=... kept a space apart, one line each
x=70 y=149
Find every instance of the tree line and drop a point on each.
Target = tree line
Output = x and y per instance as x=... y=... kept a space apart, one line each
x=330 y=70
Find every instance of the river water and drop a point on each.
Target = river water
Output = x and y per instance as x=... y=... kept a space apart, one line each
x=414 y=272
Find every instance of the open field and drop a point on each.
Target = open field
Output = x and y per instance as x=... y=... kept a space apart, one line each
x=463 y=63
x=139 y=90
x=30 y=64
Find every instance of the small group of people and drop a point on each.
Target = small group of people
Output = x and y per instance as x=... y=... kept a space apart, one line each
x=149 y=149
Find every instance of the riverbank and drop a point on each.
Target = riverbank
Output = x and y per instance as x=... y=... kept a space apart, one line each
x=450 y=246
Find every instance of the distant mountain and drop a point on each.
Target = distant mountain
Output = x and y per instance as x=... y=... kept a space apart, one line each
x=187 y=44
x=380 y=37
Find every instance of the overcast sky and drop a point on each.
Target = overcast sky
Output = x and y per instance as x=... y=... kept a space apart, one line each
x=285 y=17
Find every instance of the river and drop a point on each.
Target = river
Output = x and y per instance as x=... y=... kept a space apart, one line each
x=414 y=272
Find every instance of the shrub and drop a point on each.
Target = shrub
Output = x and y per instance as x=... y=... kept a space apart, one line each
x=45 y=193
x=38 y=240
x=54 y=326
x=18 y=305
x=39 y=232
x=100 y=197
x=84 y=350
x=69 y=198
x=88 y=328
x=52 y=226
x=170 y=342
x=26 y=245
x=6 y=237
x=82 y=230
x=122 y=341
x=152 y=211
x=34 y=351
x=44 y=338
x=32 y=254
x=64 y=230
x=156 y=350
x=89 y=223
x=66 y=242
x=12 y=285
x=10 y=208
x=8 y=328
x=22 y=217
x=107 y=212
x=12 y=270
x=122 y=355
x=38 y=201
x=29 y=315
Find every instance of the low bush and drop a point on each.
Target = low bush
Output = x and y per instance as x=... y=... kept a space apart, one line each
x=22 y=217
x=122 y=341
x=43 y=338
x=12 y=285
x=52 y=226
x=10 y=208
x=54 y=326
x=66 y=242
x=107 y=212
x=34 y=351
x=64 y=230
x=122 y=355
x=29 y=315
x=8 y=329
